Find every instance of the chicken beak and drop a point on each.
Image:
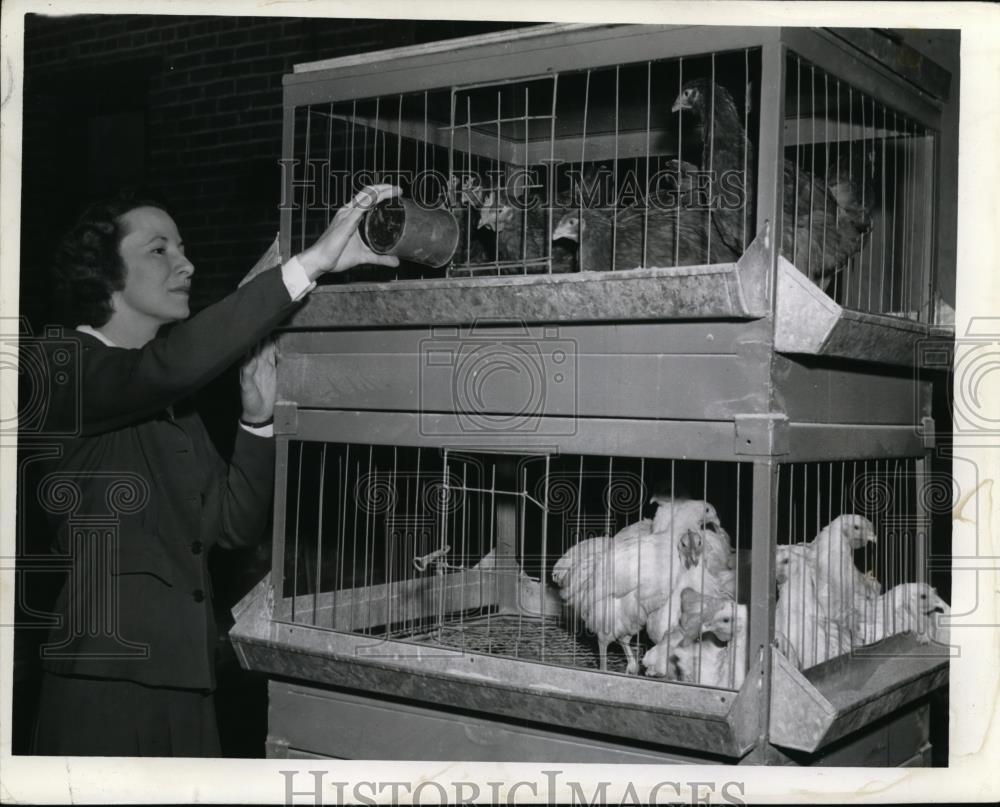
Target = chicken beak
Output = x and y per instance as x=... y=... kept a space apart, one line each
x=484 y=222
x=564 y=230
x=680 y=103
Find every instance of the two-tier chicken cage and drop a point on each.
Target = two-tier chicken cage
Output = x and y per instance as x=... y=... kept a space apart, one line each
x=640 y=473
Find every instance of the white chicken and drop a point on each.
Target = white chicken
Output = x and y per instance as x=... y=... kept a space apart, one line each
x=676 y=516
x=841 y=587
x=700 y=574
x=642 y=527
x=697 y=613
x=679 y=514
x=585 y=575
x=803 y=631
x=613 y=584
x=906 y=608
x=717 y=662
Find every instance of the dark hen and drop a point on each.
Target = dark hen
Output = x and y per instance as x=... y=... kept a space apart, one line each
x=822 y=225
x=523 y=235
x=672 y=237
x=473 y=248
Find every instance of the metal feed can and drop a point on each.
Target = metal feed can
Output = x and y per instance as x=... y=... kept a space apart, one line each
x=400 y=227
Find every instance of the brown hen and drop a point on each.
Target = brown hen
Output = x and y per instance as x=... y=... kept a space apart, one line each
x=625 y=239
x=522 y=233
x=822 y=226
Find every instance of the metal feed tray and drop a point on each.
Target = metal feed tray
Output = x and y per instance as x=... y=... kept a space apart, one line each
x=813 y=709
x=450 y=667
x=711 y=291
x=807 y=320
x=714 y=721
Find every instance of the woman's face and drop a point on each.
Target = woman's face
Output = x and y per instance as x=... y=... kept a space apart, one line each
x=157 y=275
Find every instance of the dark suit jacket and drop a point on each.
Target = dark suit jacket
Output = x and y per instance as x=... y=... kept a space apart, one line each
x=140 y=495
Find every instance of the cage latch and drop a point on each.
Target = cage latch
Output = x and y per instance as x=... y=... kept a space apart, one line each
x=437 y=559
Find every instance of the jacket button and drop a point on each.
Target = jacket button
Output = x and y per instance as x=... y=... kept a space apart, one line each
x=196 y=547
x=198 y=595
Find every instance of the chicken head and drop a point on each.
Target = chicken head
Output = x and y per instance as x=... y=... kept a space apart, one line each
x=856 y=530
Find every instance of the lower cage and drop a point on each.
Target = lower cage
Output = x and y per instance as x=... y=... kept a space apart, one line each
x=570 y=590
x=464 y=550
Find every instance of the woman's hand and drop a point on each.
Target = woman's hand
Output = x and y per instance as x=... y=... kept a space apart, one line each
x=341 y=247
x=258 y=384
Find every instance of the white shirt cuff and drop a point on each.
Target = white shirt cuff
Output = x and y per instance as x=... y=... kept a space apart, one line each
x=296 y=280
x=260 y=431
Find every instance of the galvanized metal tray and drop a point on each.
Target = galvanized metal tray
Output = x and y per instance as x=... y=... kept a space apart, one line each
x=716 y=722
x=850 y=692
x=808 y=321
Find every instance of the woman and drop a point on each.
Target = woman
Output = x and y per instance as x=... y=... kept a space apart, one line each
x=138 y=495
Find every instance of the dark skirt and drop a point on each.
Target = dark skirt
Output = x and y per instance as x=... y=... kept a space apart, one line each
x=80 y=716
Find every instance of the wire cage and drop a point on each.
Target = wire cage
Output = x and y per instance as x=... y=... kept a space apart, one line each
x=642 y=164
x=432 y=565
x=655 y=481
x=518 y=161
x=461 y=550
x=837 y=596
x=861 y=221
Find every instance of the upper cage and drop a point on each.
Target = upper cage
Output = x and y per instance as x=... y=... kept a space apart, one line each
x=700 y=168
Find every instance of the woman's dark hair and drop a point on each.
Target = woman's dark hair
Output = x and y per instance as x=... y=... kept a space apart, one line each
x=87 y=266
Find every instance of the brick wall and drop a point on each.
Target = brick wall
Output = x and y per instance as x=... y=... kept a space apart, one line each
x=188 y=107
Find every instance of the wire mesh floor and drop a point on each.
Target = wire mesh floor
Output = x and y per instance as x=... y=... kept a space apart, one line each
x=548 y=640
